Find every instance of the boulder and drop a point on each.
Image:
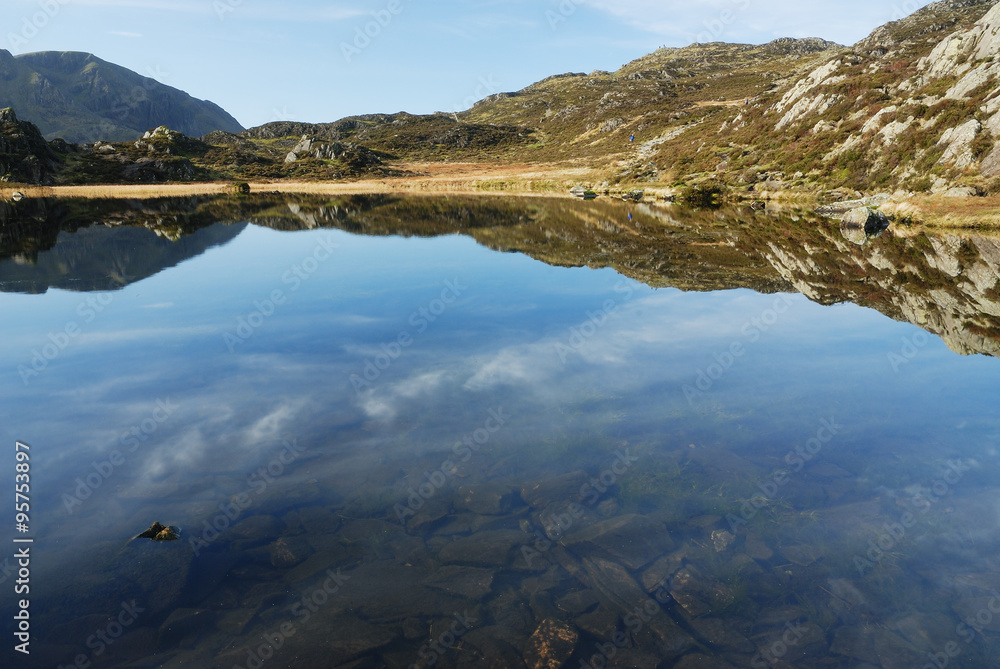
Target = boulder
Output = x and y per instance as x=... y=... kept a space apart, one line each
x=631 y=540
x=485 y=499
x=468 y=582
x=862 y=219
x=485 y=549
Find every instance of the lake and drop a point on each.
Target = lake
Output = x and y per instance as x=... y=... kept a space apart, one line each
x=504 y=432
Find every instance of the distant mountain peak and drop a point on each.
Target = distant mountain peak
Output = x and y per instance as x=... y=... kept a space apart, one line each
x=82 y=98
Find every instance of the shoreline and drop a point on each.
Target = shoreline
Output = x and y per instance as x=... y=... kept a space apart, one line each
x=525 y=180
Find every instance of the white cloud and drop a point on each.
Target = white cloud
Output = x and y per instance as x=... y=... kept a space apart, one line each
x=383 y=401
x=753 y=20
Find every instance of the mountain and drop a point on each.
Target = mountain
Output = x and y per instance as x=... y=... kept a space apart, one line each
x=913 y=108
x=81 y=98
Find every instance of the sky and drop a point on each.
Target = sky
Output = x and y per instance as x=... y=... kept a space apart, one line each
x=319 y=61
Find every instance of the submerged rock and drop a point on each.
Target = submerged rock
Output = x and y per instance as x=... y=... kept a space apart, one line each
x=632 y=540
x=488 y=499
x=158 y=532
x=470 y=582
x=486 y=549
x=551 y=644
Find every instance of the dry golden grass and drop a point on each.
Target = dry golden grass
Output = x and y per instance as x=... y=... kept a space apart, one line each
x=441 y=178
x=948 y=212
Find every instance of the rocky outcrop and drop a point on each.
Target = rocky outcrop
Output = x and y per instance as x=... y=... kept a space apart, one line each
x=354 y=155
x=25 y=157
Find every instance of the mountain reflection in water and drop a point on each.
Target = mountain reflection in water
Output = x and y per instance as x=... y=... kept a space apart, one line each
x=732 y=443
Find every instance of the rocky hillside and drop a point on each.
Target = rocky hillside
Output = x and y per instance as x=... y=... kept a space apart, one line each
x=81 y=98
x=914 y=107
x=24 y=154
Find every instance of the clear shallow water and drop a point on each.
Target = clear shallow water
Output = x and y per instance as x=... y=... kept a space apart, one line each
x=394 y=450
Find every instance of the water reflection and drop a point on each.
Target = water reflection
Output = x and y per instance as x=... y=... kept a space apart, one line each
x=387 y=444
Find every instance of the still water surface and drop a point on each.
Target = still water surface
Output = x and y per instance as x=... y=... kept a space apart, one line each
x=448 y=442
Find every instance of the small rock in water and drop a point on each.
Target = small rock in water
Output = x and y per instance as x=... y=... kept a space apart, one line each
x=551 y=644
x=288 y=552
x=722 y=540
x=158 y=532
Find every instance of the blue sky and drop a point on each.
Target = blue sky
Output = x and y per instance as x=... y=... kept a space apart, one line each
x=309 y=60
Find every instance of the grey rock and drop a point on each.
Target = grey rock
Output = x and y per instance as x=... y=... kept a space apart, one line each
x=578 y=602
x=973 y=608
x=757 y=549
x=723 y=634
x=602 y=622
x=351 y=637
x=257 y=528
x=895 y=652
x=722 y=540
x=838 y=208
x=491 y=499
x=802 y=555
x=380 y=592
x=493 y=650
x=632 y=540
x=961 y=191
x=468 y=582
x=564 y=489
x=854 y=642
x=864 y=217
x=861 y=224
x=697 y=594
x=619 y=592
x=185 y=625
x=235 y=622
x=287 y=552
x=699 y=661
x=485 y=549
x=319 y=520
